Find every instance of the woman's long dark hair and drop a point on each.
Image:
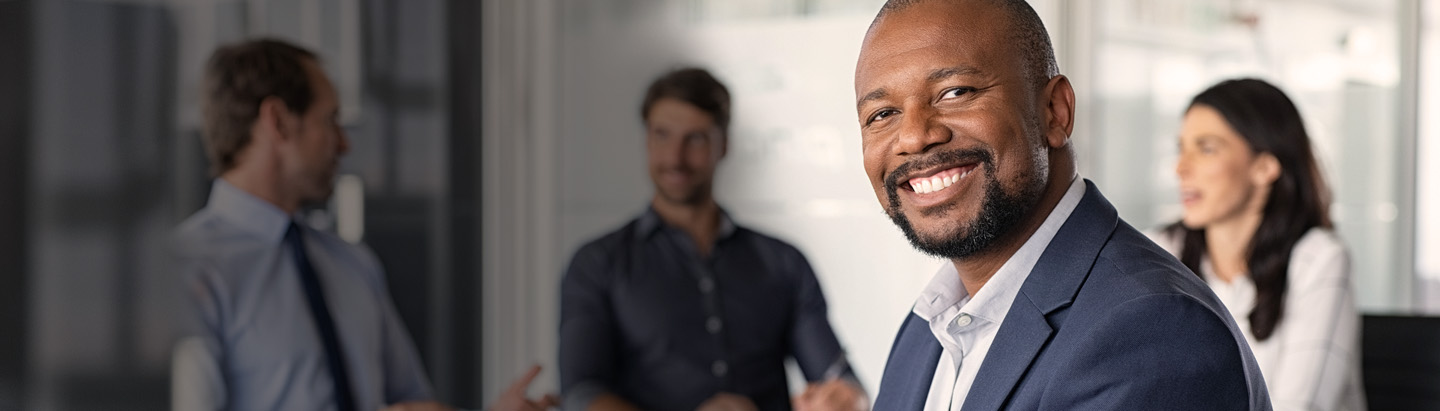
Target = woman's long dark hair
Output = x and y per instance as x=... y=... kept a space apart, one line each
x=1298 y=199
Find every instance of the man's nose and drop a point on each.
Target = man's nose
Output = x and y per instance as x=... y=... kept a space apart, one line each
x=669 y=153
x=919 y=131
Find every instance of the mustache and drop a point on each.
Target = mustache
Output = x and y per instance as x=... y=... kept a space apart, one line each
x=978 y=156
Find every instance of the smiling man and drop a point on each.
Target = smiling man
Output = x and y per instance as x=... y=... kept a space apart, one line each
x=681 y=309
x=1049 y=301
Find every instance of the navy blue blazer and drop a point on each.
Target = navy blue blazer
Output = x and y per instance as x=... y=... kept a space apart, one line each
x=1107 y=320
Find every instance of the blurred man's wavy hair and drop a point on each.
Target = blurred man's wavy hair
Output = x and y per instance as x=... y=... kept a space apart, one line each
x=237 y=78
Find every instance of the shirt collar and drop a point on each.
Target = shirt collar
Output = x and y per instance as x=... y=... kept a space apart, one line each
x=993 y=301
x=247 y=211
x=650 y=222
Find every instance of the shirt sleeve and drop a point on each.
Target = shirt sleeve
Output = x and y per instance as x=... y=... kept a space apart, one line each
x=1319 y=331
x=587 y=330
x=813 y=343
x=197 y=382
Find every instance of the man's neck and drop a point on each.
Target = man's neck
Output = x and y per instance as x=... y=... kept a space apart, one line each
x=977 y=269
x=263 y=183
x=700 y=220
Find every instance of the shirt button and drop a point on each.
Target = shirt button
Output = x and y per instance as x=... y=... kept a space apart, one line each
x=963 y=320
x=707 y=285
x=719 y=368
x=713 y=325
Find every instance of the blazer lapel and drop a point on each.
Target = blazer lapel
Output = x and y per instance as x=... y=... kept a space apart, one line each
x=905 y=385
x=1052 y=285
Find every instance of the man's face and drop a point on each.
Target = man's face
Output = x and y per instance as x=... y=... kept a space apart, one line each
x=950 y=126
x=313 y=155
x=684 y=146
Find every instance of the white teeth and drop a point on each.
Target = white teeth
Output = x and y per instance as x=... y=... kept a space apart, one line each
x=933 y=184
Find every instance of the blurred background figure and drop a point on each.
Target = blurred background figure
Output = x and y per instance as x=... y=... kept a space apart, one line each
x=1257 y=230
x=491 y=139
x=681 y=308
x=280 y=315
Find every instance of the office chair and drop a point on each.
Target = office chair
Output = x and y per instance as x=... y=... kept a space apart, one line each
x=1401 y=362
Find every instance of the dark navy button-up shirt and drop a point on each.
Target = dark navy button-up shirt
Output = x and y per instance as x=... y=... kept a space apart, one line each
x=645 y=317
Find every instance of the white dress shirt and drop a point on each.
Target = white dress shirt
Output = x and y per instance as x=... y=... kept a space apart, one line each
x=966 y=326
x=1312 y=360
x=251 y=343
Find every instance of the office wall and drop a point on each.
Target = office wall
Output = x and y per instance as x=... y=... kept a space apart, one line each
x=97 y=214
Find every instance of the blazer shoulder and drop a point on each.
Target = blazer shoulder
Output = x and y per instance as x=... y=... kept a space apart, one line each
x=1131 y=266
x=1148 y=343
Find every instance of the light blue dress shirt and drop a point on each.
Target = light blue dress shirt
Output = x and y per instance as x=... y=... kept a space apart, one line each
x=250 y=341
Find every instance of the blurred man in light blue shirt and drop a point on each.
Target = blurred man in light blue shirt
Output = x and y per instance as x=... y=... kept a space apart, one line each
x=283 y=317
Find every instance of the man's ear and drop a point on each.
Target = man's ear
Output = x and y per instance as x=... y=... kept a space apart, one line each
x=1059 y=111
x=274 y=119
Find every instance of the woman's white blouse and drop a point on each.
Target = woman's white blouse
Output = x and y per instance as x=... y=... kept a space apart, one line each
x=1312 y=360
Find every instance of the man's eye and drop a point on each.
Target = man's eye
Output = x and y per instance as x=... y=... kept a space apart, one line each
x=956 y=92
x=880 y=115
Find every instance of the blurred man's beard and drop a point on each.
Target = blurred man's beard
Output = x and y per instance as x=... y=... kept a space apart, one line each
x=322 y=187
x=688 y=195
x=999 y=213
x=692 y=195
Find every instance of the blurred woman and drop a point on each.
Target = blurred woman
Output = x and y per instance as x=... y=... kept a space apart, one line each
x=1257 y=230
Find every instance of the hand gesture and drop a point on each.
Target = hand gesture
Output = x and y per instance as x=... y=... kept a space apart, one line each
x=514 y=398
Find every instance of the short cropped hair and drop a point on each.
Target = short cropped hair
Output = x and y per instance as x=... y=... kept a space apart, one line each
x=1026 y=30
x=237 y=78
x=694 y=86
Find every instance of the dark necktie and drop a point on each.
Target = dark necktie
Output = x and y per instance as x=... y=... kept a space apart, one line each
x=324 y=323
